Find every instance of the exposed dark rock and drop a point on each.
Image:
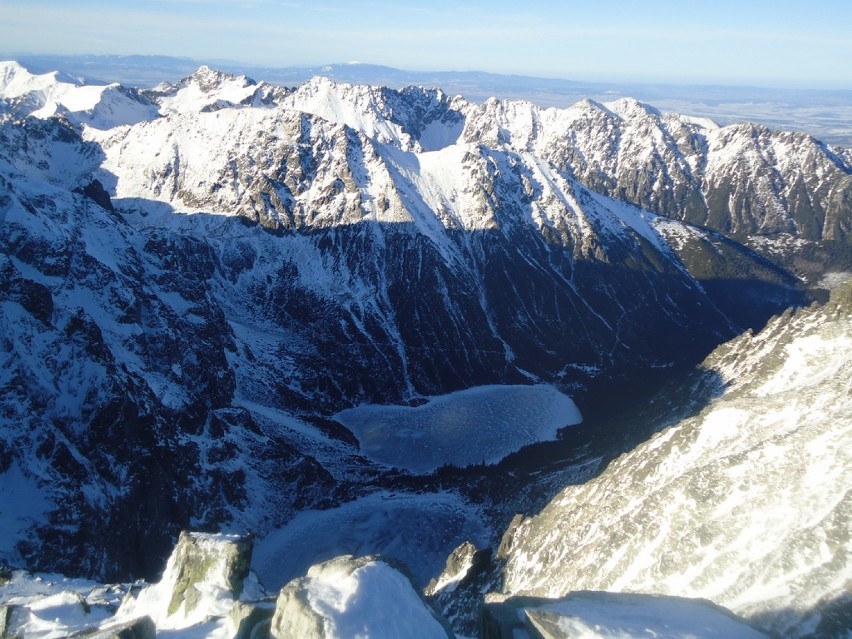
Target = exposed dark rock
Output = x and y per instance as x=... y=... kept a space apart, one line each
x=462 y=563
x=35 y=297
x=458 y=592
x=95 y=191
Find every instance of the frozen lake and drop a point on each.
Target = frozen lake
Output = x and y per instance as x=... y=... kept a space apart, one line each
x=481 y=424
x=419 y=530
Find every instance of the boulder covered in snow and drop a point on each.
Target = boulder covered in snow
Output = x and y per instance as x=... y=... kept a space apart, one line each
x=610 y=615
x=348 y=597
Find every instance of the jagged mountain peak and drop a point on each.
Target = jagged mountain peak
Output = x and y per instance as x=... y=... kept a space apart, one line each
x=206 y=71
x=588 y=104
x=360 y=107
x=16 y=80
x=632 y=109
x=10 y=70
x=210 y=79
x=209 y=89
x=412 y=119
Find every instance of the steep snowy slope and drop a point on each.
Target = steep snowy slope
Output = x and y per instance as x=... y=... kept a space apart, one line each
x=56 y=94
x=746 y=504
x=116 y=386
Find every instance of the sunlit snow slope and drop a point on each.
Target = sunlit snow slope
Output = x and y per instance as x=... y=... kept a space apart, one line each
x=746 y=504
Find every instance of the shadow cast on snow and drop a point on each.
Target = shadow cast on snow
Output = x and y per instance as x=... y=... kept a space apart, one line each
x=430 y=316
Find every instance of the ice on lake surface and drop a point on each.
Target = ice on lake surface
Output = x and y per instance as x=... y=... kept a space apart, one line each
x=418 y=530
x=481 y=424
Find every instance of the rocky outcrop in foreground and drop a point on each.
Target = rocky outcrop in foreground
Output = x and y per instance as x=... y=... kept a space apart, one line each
x=348 y=597
x=208 y=590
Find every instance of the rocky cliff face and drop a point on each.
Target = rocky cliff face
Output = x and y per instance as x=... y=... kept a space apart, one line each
x=741 y=179
x=265 y=257
x=117 y=397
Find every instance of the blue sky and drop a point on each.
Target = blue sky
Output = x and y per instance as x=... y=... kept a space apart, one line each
x=778 y=43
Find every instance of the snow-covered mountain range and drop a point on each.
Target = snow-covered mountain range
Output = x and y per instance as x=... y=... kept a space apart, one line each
x=197 y=278
x=825 y=114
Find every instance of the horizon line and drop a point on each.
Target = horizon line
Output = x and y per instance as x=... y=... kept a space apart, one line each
x=608 y=81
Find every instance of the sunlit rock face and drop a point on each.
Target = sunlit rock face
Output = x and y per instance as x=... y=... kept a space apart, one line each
x=206 y=590
x=741 y=179
x=745 y=503
x=203 y=578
